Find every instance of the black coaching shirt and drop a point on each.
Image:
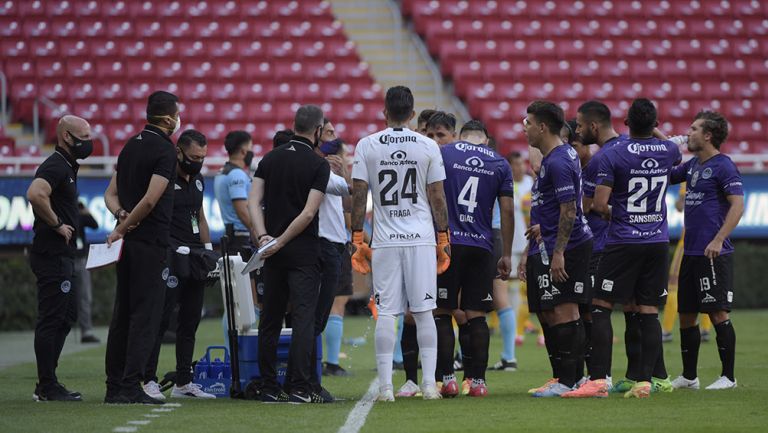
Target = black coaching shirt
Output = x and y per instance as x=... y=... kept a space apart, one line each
x=187 y=201
x=60 y=171
x=146 y=154
x=290 y=171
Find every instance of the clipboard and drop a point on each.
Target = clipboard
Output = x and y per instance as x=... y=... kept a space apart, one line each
x=256 y=262
x=100 y=255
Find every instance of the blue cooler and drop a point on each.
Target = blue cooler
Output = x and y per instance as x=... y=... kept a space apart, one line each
x=214 y=375
x=249 y=355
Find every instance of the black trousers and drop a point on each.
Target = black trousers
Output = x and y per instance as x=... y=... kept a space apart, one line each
x=299 y=284
x=56 y=311
x=188 y=295
x=141 y=282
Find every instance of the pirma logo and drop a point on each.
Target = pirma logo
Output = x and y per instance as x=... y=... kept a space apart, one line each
x=165 y=273
x=695 y=178
x=475 y=162
x=572 y=153
x=650 y=164
x=398 y=155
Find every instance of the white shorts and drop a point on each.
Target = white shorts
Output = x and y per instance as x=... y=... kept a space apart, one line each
x=404 y=278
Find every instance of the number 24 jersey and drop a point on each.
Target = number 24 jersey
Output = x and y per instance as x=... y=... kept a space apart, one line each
x=398 y=164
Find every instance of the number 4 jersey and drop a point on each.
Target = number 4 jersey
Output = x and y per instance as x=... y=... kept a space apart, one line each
x=398 y=164
x=476 y=176
x=638 y=171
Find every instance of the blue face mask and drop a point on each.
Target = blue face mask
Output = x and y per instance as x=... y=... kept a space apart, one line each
x=331 y=147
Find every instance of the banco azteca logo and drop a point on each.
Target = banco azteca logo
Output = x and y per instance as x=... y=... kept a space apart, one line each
x=399 y=155
x=475 y=162
x=650 y=164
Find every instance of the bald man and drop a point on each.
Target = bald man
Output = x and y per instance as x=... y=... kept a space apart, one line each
x=53 y=195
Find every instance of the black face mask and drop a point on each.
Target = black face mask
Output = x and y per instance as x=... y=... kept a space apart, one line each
x=248 y=159
x=80 y=149
x=188 y=166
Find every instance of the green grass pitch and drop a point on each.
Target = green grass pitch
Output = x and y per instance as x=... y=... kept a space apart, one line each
x=507 y=408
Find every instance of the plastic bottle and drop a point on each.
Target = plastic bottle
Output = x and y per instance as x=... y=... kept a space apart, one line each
x=217 y=369
x=544 y=255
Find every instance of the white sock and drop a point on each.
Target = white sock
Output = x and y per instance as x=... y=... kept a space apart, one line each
x=426 y=334
x=385 y=346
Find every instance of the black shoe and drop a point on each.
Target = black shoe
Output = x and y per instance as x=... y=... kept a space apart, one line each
x=278 y=396
x=135 y=396
x=325 y=395
x=504 y=365
x=55 y=392
x=306 y=397
x=334 y=370
x=90 y=338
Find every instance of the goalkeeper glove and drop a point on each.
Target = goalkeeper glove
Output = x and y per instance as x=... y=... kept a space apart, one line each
x=361 y=258
x=443 y=252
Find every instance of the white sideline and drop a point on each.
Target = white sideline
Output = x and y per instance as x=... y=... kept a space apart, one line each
x=358 y=414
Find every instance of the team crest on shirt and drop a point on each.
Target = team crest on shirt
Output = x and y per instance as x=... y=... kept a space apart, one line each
x=694 y=178
x=199 y=185
x=707 y=173
x=165 y=273
x=173 y=282
x=578 y=287
x=607 y=285
x=442 y=293
x=66 y=286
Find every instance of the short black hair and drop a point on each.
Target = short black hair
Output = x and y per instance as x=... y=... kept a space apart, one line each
x=474 y=125
x=425 y=115
x=399 y=103
x=514 y=155
x=549 y=114
x=281 y=137
x=492 y=143
x=162 y=103
x=189 y=136
x=307 y=119
x=441 y=118
x=714 y=123
x=641 y=117
x=235 y=140
x=596 y=111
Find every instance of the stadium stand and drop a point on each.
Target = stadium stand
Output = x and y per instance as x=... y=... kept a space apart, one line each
x=236 y=65
x=686 y=55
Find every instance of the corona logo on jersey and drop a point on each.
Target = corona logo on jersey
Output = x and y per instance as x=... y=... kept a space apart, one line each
x=468 y=147
x=638 y=148
x=394 y=139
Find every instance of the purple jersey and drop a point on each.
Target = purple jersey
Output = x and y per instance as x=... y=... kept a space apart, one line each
x=475 y=177
x=638 y=171
x=597 y=223
x=533 y=246
x=706 y=203
x=560 y=182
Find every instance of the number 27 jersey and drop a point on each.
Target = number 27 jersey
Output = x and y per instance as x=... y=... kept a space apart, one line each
x=638 y=170
x=398 y=164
